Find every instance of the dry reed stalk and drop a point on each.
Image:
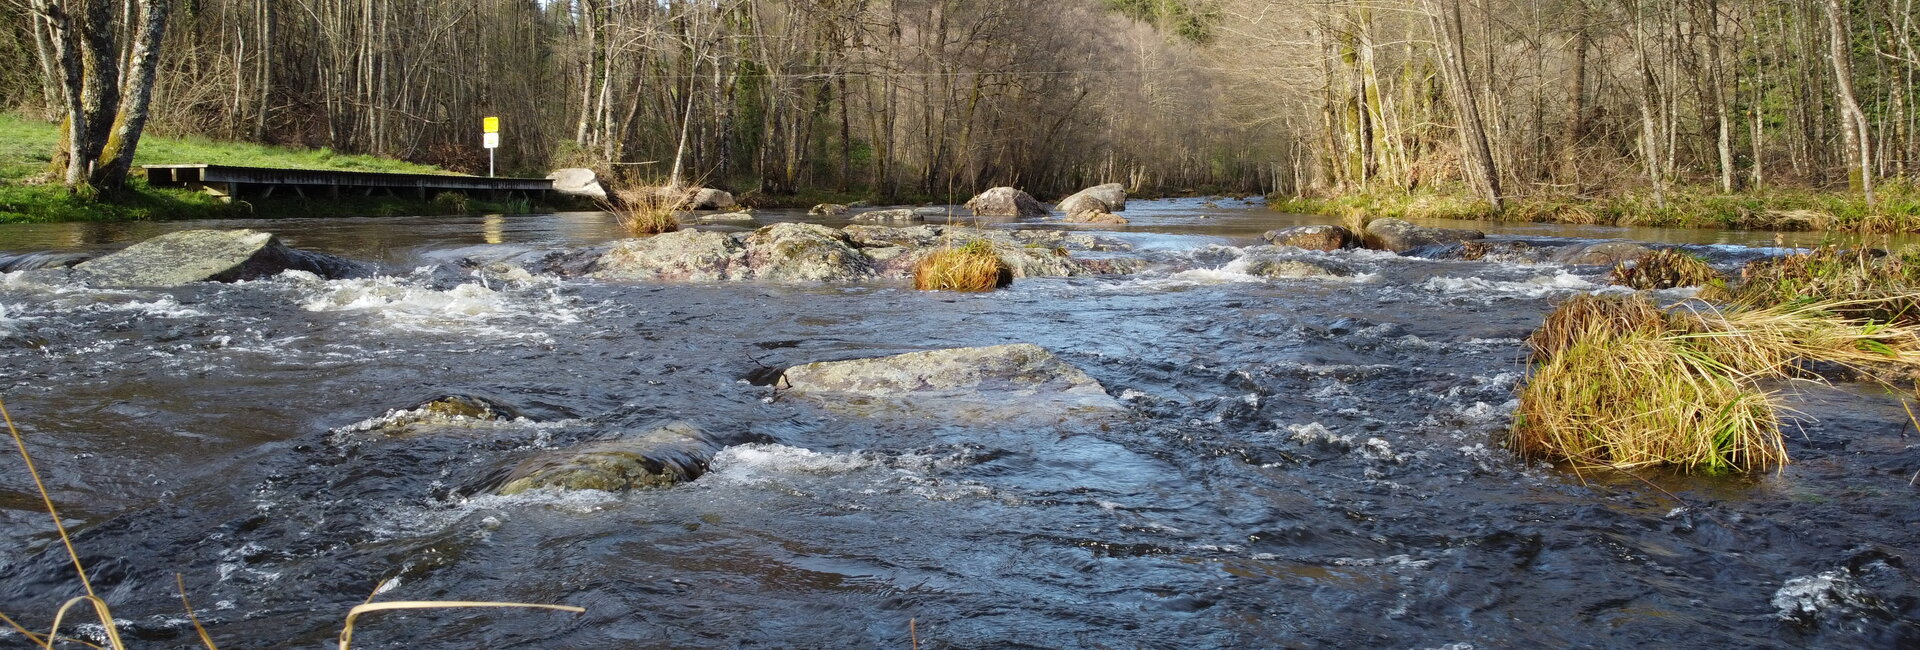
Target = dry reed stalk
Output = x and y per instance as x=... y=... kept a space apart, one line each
x=647 y=211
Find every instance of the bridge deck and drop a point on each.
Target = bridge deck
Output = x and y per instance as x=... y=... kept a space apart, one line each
x=230 y=182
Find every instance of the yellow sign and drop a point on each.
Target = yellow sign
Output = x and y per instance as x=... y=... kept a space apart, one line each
x=491 y=125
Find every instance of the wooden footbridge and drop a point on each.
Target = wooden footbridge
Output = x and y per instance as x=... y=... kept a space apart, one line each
x=230 y=182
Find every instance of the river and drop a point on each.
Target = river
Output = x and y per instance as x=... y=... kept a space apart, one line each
x=1305 y=463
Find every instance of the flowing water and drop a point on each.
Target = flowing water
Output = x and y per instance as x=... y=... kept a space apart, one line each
x=1305 y=463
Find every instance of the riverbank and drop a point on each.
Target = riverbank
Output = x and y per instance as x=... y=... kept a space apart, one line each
x=26 y=147
x=1795 y=210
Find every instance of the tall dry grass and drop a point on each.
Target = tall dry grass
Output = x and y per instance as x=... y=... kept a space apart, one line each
x=1665 y=269
x=645 y=211
x=104 y=612
x=972 y=267
x=1619 y=382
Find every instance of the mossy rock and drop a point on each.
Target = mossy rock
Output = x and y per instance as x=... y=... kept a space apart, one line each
x=670 y=455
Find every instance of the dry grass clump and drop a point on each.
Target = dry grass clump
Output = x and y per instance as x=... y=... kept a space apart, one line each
x=1665 y=269
x=1356 y=221
x=647 y=211
x=1620 y=383
x=973 y=267
x=1865 y=284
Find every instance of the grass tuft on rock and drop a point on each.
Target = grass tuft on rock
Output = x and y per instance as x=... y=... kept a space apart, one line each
x=1665 y=269
x=647 y=211
x=1620 y=383
x=973 y=267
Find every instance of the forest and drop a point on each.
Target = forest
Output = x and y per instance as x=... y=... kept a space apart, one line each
x=1494 y=103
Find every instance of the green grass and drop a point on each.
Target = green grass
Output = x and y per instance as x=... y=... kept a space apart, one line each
x=27 y=145
x=1790 y=209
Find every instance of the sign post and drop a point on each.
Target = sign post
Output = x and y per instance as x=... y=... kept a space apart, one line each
x=490 y=138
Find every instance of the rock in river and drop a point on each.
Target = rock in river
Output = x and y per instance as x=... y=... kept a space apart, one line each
x=1397 y=236
x=672 y=454
x=899 y=215
x=974 y=384
x=1111 y=197
x=811 y=253
x=1006 y=202
x=805 y=252
x=189 y=256
x=1313 y=238
x=439 y=414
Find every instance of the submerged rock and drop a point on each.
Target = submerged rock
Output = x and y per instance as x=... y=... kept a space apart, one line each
x=988 y=383
x=1399 y=236
x=1278 y=267
x=452 y=411
x=1606 y=253
x=190 y=256
x=901 y=215
x=1313 y=238
x=1099 y=217
x=742 y=216
x=1006 y=202
x=672 y=454
x=1111 y=197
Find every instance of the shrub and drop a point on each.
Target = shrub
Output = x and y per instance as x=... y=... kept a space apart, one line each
x=972 y=267
x=1665 y=269
x=450 y=203
x=647 y=211
x=1619 y=382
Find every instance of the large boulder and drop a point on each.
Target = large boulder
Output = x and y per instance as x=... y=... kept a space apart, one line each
x=190 y=256
x=805 y=252
x=707 y=198
x=1006 y=202
x=578 y=181
x=1399 y=236
x=1313 y=238
x=685 y=255
x=672 y=454
x=1111 y=197
x=989 y=383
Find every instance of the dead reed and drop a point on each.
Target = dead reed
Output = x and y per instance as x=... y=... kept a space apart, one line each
x=647 y=211
x=1665 y=269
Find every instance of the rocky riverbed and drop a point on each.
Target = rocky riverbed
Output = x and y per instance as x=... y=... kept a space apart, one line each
x=1168 y=432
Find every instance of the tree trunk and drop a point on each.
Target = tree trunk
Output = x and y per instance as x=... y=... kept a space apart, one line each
x=1853 y=121
x=1448 y=32
x=116 y=158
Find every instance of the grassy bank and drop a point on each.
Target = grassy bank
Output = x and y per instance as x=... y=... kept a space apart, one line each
x=1897 y=210
x=26 y=147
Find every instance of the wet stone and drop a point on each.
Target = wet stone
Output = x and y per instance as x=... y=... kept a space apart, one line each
x=670 y=455
x=976 y=384
x=190 y=256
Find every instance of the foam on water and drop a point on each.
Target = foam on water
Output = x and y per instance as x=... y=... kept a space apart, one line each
x=1539 y=286
x=759 y=463
x=410 y=304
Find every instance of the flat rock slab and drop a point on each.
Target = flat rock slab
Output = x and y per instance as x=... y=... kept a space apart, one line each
x=190 y=256
x=997 y=383
x=670 y=455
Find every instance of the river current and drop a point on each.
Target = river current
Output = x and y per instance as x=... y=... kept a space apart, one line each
x=1305 y=462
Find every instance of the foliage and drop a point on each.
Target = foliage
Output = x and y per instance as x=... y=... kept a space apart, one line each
x=1877 y=285
x=1897 y=208
x=972 y=267
x=1665 y=269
